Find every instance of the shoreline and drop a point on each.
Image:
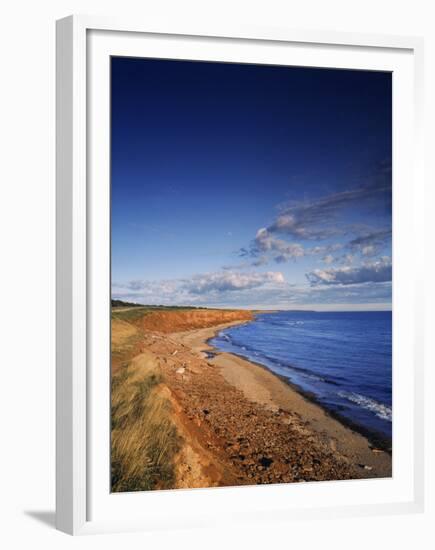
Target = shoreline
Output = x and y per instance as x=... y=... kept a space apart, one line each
x=376 y=439
x=261 y=385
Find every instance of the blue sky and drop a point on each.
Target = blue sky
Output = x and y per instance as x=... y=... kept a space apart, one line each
x=250 y=185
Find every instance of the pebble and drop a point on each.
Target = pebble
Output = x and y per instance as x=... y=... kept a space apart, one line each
x=259 y=446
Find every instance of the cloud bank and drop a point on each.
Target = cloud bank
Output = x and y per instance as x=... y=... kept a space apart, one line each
x=200 y=288
x=263 y=290
x=319 y=219
x=376 y=272
x=370 y=243
x=229 y=281
x=329 y=218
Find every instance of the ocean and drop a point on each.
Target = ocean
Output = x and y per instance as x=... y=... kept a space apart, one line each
x=341 y=359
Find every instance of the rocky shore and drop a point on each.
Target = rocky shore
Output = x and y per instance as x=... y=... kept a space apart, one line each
x=240 y=424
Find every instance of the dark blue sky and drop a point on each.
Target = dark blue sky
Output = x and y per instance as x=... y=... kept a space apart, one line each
x=250 y=185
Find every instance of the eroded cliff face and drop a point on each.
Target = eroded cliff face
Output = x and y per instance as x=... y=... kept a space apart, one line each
x=178 y=321
x=156 y=439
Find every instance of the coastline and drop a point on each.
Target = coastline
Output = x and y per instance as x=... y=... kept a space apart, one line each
x=217 y=419
x=375 y=440
x=276 y=393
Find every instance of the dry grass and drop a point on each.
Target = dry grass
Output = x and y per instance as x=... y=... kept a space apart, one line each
x=134 y=313
x=144 y=439
x=126 y=338
x=129 y=313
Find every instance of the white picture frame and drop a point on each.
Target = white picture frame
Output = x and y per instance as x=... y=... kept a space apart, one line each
x=84 y=44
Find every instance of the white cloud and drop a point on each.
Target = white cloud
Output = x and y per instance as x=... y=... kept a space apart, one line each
x=229 y=281
x=328 y=259
x=348 y=259
x=368 y=250
x=371 y=242
x=319 y=218
x=250 y=290
x=267 y=246
x=265 y=242
x=200 y=288
x=323 y=219
x=376 y=272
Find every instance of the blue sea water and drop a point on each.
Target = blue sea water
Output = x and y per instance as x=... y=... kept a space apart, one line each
x=343 y=359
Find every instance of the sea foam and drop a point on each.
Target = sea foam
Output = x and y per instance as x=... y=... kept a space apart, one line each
x=382 y=411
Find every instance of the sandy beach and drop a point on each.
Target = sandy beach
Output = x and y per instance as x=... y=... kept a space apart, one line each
x=236 y=422
x=263 y=387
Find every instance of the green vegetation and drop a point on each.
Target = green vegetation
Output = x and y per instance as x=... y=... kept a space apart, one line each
x=121 y=303
x=130 y=313
x=127 y=314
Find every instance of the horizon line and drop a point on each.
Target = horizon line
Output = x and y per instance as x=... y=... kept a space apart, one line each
x=307 y=307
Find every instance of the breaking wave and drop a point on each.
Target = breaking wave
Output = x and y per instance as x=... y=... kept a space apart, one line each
x=381 y=411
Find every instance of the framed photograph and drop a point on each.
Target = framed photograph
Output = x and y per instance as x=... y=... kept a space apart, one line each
x=238 y=294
